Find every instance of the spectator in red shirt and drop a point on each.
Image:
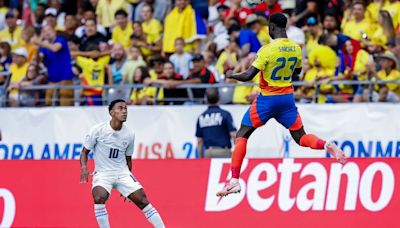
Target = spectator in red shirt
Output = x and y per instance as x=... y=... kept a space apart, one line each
x=269 y=7
x=238 y=11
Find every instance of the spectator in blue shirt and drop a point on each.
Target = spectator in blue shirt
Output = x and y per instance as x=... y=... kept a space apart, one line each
x=57 y=59
x=247 y=38
x=214 y=129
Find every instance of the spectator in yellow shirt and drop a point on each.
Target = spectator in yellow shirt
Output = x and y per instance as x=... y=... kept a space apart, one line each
x=123 y=30
x=146 y=44
x=12 y=33
x=151 y=26
x=106 y=9
x=228 y=59
x=393 y=7
x=312 y=34
x=93 y=74
x=388 y=72
x=18 y=71
x=360 y=26
x=27 y=35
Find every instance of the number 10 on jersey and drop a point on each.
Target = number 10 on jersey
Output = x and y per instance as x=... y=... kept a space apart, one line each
x=113 y=153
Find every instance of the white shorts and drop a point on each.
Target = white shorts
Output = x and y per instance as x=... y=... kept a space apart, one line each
x=125 y=183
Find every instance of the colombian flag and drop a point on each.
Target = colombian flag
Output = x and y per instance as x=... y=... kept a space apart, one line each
x=187 y=24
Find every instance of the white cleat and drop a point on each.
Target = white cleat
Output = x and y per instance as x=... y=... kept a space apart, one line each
x=229 y=188
x=335 y=152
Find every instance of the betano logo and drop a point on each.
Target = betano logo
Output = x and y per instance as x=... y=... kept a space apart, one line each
x=286 y=186
x=9 y=208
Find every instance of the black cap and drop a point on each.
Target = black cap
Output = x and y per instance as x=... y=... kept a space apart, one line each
x=10 y=14
x=222 y=7
x=197 y=57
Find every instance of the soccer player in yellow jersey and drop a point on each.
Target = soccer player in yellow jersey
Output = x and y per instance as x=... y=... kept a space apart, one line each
x=277 y=62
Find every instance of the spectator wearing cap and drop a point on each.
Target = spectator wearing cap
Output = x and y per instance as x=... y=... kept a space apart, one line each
x=359 y=27
x=313 y=32
x=161 y=8
x=123 y=30
x=12 y=33
x=89 y=14
x=156 y=64
x=105 y=11
x=215 y=129
x=388 y=72
x=57 y=59
x=152 y=28
x=236 y=10
x=18 y=71
x=183 y=22
x=182 y=60
x=247 y=37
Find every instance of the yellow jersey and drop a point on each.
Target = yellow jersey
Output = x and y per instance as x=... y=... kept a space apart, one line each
x=277 y=62
x=18 y=73
x=93 y=73
x=121 y=36
x=392 y=76
x=14 y=38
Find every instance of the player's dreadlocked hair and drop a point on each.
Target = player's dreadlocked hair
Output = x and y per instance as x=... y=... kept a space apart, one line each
x=278 y=19
x=111 y=105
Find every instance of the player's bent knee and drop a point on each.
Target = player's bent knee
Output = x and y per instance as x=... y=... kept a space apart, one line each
x=98 y=199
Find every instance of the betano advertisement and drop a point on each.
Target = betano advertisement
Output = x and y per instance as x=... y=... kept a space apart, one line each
x=361 y=130
x=275 y=193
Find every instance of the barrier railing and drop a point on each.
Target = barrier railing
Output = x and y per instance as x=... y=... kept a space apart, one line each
x=77 y=99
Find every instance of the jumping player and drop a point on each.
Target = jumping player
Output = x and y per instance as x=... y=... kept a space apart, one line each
x=278 y=62
x=112 y=145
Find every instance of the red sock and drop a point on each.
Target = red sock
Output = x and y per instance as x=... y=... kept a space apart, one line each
x=238 y=155
x=312 y=141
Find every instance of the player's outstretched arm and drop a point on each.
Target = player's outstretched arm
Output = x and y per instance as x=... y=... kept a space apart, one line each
x=245 y=76
x=84 y=170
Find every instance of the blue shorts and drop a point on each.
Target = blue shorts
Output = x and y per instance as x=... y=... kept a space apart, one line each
x=280 y=107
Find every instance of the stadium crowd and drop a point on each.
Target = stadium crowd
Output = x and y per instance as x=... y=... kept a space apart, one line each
x=169 y=43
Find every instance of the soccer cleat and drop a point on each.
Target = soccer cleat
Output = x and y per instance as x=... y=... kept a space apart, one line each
x=335 y=152
x=229 y=188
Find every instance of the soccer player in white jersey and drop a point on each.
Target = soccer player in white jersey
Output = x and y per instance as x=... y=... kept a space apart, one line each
x=112 y=145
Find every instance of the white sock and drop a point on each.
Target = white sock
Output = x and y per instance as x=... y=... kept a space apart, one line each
x=152 y=215
x=101 y=215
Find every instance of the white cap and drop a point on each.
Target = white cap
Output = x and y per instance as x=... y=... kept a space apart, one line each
x=21 y=52
x=50 y=11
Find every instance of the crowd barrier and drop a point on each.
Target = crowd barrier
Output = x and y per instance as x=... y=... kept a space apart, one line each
x=275 y=193
x=226 y=90
x=164 y=132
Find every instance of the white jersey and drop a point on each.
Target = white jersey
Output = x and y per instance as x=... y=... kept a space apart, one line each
x=110 y=147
